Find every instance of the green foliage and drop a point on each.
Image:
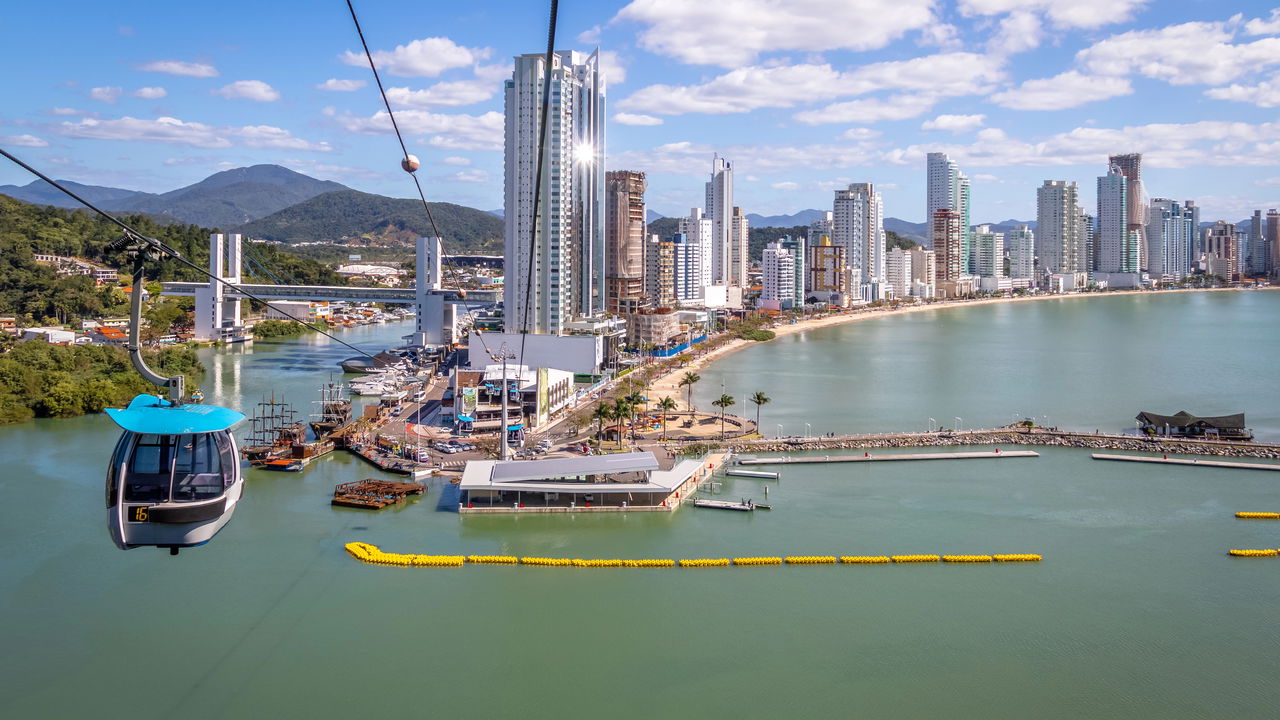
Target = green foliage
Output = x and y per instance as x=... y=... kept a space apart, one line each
x=757 y=335
x=42 y=380
x=353 y=217
x=894 y=240
x=280 y=329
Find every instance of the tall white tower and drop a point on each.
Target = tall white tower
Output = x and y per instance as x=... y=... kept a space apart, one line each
x=567 y=263
x=719 y=206
x=946 y=189
x=857 y=224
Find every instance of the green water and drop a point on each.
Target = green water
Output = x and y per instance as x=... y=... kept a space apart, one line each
x=1135 y=612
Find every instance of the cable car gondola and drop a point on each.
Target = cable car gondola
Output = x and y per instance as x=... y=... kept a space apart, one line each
x=174 y=478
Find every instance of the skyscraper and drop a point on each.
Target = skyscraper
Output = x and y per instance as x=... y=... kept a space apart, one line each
x=948 y=188
x=739 y=242
x=1060 y=244
x=799 y=249
x=559 y=278
x=897 y=271
x=948 y=238
x=1171 y=233
x=828 y=273
x=1130 y=165
x=1273 y=238
x=687 y=270
x=857 y=220
x=698 y=229
x=659 y=272
x=1117 y=249
x=778 y=277
x=988 y=252
x=624 y=241
x=1222 y=250
x=719 y=207
x=1259 y=248
x=1021 y=244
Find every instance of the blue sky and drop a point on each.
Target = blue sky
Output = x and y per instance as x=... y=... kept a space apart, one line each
x=803 y=95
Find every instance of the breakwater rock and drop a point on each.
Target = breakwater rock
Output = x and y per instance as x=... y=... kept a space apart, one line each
x=1044 y=438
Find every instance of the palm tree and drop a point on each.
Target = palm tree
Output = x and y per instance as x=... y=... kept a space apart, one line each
x=690 y=377
x=602 y=414
x=622 y=408
x=666 y=405
x=633 y=401
x=723 y=403
x=759 y=399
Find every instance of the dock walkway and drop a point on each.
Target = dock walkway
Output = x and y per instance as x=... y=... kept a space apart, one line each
x=1188 y=461
x=868 y=457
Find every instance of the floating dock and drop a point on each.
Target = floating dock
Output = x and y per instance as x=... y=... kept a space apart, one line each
x=1166 y=460
x=763 y=474
x=744 y=506
x=868 y=457
x=374 y=494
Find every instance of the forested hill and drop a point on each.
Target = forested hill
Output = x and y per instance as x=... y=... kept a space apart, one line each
x=355 y=218
x=37 y=292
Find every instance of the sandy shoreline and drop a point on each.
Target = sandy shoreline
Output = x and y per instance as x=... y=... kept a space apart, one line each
x=668 y=384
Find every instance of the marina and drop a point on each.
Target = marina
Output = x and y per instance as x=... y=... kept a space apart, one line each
x=374 y=494
x=901 y=457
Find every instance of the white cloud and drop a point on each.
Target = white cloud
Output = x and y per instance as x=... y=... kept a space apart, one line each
x=177 y=67
x=67 y=111
x=23 y=140
x=896 y=107
x=177 y=132
x=456 y=161
x=1063 y=14
x=615 y=72
x=108 y=94
x=461 y=132
x=986 y=178
x=954 y=123
x=941 y=35
x=1186 y=54
x=733 y=32
x=1265 y=94
x=860 y=133
x=1066 y=90
x=470 y=176
x=255 y=90
x=150 y=93
x=1019 y=32
x=1258 y=26
x=787 y=185
x=590 y=36
x=459 y=92
x=427 y=57
x=636 y=119
x=750 y=88
x=336 y=85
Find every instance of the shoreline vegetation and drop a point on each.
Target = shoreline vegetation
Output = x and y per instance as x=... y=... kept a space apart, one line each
x=40 y=380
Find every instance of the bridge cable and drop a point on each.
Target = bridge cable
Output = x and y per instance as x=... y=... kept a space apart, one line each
x=154 y=244
x=444 y=259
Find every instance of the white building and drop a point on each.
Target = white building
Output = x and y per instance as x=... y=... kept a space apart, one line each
x=688 y=271
x=858 y=226
x=739 y=244
x=1021 y=245
x=217 y=312
x=897 y=271
x=1059 y=244
x=699 y=231
x=988 y=252
x=779 y=278
x=719 y=206
x=1171 y=234
x=947 y=188
x=1117 y=245
x=568 y=247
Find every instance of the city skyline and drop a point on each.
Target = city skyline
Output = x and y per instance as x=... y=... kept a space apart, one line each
x=1016 y=92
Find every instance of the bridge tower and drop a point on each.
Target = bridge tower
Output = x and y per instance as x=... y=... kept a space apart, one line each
x=430 y=322
x=217 y=313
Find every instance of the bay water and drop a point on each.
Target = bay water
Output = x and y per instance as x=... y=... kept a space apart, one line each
x=1135 y=612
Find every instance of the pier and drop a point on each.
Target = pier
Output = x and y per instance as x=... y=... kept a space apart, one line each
x=371 y=494
x=868 y=457
x=762 y=474
x=1188 y=461
x=743 y=506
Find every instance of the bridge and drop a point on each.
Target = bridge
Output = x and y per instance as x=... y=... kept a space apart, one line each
x=217 y=311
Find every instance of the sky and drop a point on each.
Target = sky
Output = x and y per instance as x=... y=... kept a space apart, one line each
x=804 y=96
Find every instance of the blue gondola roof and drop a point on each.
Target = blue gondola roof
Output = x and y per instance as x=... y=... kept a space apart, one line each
x=157 y=416
x=466 y=418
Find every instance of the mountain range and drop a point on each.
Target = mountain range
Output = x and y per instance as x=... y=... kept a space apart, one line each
x=223 y=200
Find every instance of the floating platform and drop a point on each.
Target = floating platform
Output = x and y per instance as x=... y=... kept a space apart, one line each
x=744 y=506
x=371 y=494
x=1188 y=461
x=764 y=474
x=900 y=457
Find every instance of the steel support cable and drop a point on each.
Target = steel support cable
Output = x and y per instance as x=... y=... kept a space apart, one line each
x=537 y=182
x=134 y=235
x=444 y=259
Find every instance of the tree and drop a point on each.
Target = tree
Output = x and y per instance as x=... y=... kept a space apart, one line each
x=622 y=409
x=666 y=405
x=602 y=414
x=633 y=401
x=723 y=403
x=688 y=380
x=759 y=399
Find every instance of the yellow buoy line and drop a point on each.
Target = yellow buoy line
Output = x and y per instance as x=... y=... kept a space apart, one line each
x=1259 y=515
x=368 y=553
x=1264 y=552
